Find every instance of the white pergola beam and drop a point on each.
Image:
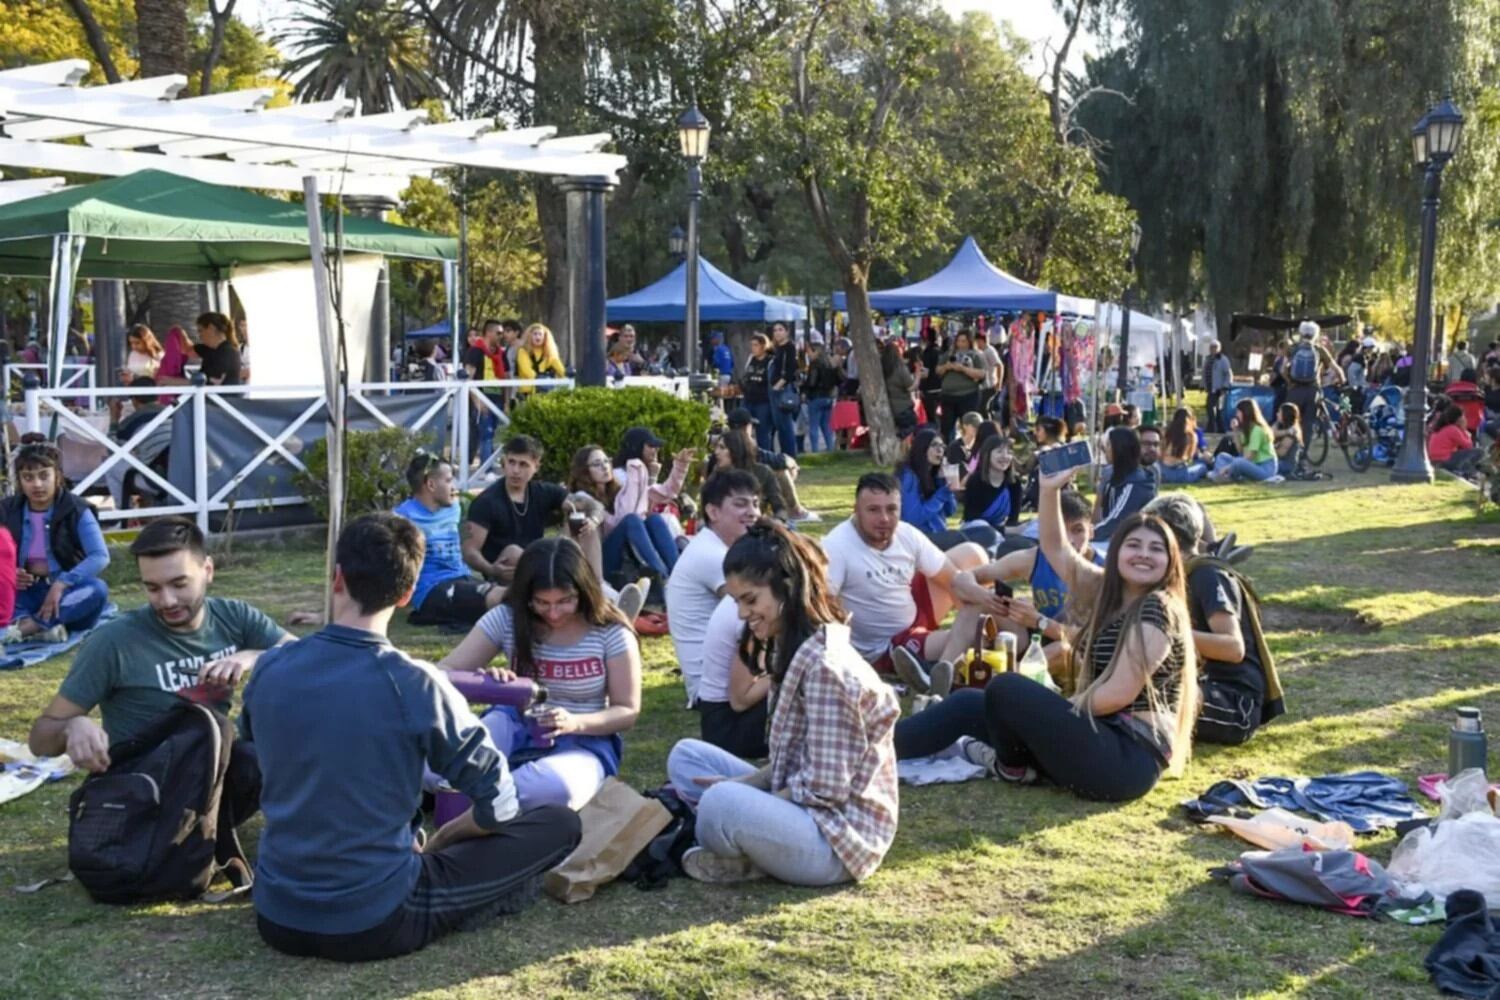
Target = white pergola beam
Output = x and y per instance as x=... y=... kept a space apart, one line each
x=30 y=188
x=63 y=73
x=316 y=111
x=118 y=163
x=230 y=102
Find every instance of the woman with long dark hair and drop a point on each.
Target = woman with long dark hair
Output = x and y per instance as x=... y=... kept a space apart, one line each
x=927 y=499
x=734 y=450
x=1180 y=460
x=824 y=810
x=590 y=473
x=963 y=376
x=989 y=492
x=1257 y=458
x=556 y=626
x=637 y=466
x=784 y=372
x=1128 y=488
x=1130 y=692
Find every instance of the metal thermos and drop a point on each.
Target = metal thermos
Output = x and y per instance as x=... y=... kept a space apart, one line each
x=533 y=714
x=1008 y=650
x=1467 y=746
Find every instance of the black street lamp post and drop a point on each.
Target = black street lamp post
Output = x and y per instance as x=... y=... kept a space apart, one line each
x=1434 y=141
x=692 y=133
x=1128 y=299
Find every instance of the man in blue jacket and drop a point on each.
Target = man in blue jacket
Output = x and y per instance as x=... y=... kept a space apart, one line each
x=344 y=723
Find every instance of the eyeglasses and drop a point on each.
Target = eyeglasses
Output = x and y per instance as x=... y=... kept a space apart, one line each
x=565 y=605
x=601 y=464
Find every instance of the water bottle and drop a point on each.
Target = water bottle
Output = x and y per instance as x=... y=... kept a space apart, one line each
x=533 y=715
x=482 y=689
x=1034 y=664
x=1467 y=746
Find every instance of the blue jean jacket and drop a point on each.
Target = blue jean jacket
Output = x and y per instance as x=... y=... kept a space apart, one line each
x=90 y=539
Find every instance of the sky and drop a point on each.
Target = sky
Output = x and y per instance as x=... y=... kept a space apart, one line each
x=1034 y=20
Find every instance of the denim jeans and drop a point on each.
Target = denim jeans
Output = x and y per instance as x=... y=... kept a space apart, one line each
x=79 y=608
x=786 y=430
x=1029 y=725
x=1177 y=475
x=1243 y=468
x=486 y=424
x=734 y=820
x=650 y=541
x=765 y=431
x=820 y=423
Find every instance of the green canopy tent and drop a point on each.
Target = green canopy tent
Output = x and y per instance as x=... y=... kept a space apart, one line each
x=158 y=226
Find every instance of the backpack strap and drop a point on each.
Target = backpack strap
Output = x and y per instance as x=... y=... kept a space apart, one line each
x=1274 y=703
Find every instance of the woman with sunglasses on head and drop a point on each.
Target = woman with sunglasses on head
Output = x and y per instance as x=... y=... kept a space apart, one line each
x=637 y=466
x=824 y=809
x=60 y=552
x=556 y=627
x=1130 y=689
x=592 y=474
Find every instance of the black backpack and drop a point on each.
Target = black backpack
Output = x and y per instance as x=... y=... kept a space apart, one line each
x=156 y=825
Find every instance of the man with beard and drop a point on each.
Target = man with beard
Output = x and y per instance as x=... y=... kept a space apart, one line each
x=137 y=667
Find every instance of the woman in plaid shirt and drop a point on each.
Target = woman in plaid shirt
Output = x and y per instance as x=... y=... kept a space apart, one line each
x=823 y=811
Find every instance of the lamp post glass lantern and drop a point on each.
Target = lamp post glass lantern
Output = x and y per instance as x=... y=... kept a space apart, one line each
x=1434 y=141
x=677 y=242
x=692 y=137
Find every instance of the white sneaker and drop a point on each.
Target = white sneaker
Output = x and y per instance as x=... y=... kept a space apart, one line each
x=703 y=865
x=1276 y=479
x=807 y=517
x=632 y=598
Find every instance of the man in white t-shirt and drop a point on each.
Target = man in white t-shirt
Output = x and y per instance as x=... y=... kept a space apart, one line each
x=730 y=503
x=894 y=582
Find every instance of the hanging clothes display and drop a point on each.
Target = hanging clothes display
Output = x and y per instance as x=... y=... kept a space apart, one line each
x=1021 y=356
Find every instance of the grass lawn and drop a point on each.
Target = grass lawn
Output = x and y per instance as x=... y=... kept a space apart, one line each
x=1383 y=605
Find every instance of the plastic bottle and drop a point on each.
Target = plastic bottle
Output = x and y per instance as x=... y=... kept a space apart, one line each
x=1467 y=746
x=1034 y=664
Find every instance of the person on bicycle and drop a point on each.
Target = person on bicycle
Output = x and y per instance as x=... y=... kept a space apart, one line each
x=1308 y=367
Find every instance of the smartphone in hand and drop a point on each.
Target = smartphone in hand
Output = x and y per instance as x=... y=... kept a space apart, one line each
x=1064 y=457
x=1003 y=589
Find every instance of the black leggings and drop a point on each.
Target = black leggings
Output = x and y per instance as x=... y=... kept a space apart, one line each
x=460 y=886
x=1030 y=725
x=740 y=733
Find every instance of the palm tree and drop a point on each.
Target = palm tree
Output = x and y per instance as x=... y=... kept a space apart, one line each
x=370 y=50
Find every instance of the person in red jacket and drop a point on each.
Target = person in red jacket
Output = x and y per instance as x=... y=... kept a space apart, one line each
x=1450 y=446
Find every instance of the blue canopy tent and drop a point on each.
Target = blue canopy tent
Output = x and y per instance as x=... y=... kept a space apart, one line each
x=721 y=299
x=439 y=329
x=968 y=283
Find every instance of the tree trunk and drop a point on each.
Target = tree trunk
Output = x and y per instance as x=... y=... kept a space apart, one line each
x=885 y=445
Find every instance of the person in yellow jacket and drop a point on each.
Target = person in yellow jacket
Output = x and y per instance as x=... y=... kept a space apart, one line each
x=537 y=357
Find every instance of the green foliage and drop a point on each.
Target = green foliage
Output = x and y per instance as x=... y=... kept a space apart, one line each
x=567 y=419
x=1266 y=147
x=372 y=50
x=376 y=463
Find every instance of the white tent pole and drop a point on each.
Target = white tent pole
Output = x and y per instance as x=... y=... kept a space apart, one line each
x=334 y=380
x=67 y=255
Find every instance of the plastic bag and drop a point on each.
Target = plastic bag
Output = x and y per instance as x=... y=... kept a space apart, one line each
x=1462 y=853
x=1468 y=792
x=1275 y=829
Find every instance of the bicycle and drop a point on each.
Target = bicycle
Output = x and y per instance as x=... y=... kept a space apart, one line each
x=1348 y=429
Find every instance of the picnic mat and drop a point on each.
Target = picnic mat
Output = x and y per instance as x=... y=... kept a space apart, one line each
x=22 y=772
x=28 y=654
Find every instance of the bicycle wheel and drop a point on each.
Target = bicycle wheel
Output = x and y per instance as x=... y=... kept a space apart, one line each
x=1358 y=444
x=1316 y=446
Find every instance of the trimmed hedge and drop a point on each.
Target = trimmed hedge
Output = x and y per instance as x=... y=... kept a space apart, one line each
x=565 y=420
x=376 y=462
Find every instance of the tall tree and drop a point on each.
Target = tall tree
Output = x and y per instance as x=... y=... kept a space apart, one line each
x=1267 y=147
x=369 y=50
x=851 y=98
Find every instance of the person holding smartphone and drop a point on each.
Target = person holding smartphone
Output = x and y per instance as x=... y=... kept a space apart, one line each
x=928 y=484
x=556 y=626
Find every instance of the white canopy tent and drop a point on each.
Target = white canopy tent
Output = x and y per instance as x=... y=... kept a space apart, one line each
x=234 y=139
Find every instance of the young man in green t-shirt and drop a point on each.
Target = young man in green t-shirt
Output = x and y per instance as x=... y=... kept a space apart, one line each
x=134 y=667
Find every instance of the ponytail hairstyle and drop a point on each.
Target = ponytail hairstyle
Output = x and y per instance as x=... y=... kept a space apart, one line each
x=796 y=571
x=553 y=564
x=1109 y=606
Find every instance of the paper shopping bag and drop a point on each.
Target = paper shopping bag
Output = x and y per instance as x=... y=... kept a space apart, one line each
x=618 y=823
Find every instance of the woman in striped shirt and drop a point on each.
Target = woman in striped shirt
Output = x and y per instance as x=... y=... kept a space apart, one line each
x=823 y=811
x=1130 y=697
x=556 y=626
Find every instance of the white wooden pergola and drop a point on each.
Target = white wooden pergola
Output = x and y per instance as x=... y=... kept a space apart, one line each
x=235 y=139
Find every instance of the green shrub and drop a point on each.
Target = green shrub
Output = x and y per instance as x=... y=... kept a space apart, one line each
x=376 y=462
x=567 y=419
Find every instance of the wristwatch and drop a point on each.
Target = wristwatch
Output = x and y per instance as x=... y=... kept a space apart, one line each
x=1043 y=623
